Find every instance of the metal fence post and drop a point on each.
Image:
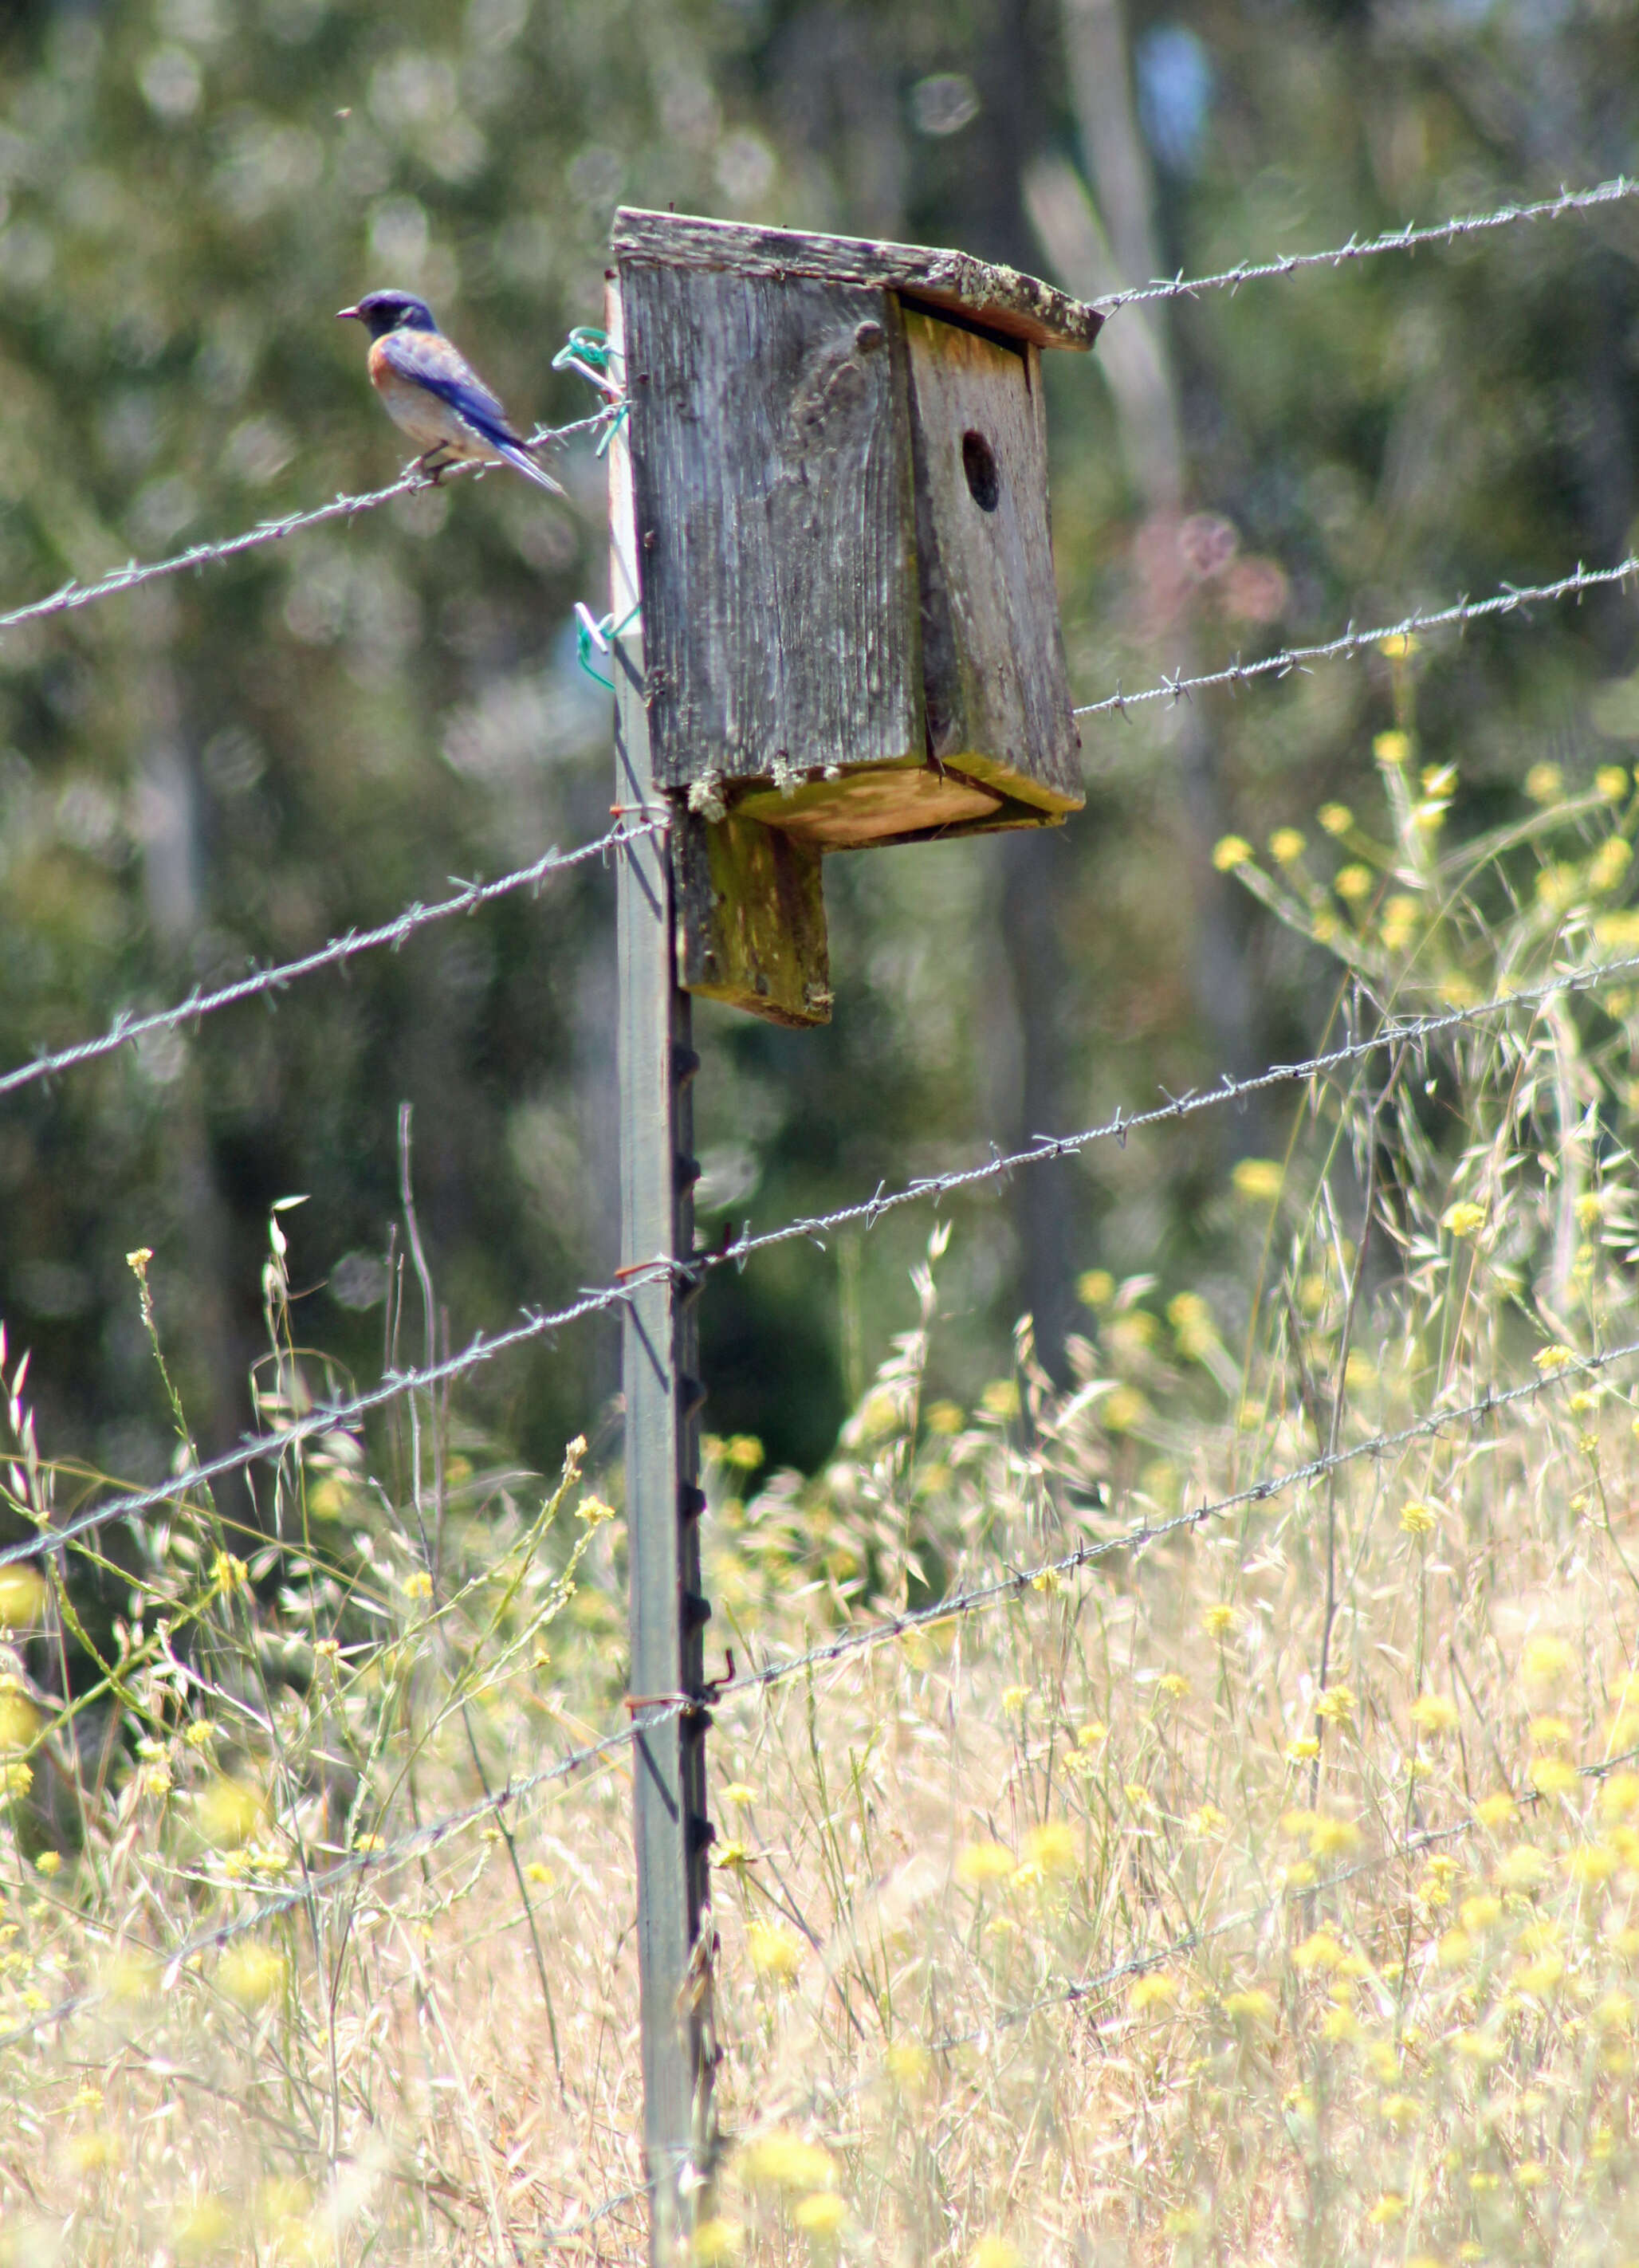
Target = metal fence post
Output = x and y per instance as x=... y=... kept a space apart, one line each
x=663 y=1496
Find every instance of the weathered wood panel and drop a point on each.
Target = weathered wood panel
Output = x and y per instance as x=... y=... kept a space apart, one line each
x=751 y=918
x=997 y=692
x=1000 y=298
x=771 y=456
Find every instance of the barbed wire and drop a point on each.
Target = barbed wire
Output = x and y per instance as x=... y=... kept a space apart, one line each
x=127 y=1027
x=1137 y=1963
x=414 y=1842
x=959 y=1604
x=1505 y=601
x=1413 y=1030
x=483 y=1347
x=663 y=1709
x=1411 y=237
x=135 y=572
x=332 y=1416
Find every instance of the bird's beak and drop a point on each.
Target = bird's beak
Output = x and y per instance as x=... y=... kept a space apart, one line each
x=346 y=314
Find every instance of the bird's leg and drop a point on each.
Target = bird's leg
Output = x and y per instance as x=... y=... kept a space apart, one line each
x=435 y=472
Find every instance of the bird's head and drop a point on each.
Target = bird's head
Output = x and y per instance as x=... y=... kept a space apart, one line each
x=381 y=312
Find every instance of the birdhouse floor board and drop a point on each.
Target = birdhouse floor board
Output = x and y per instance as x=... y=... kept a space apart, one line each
x=886 y=804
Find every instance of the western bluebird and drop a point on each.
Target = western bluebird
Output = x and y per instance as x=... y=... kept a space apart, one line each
x=433 y=392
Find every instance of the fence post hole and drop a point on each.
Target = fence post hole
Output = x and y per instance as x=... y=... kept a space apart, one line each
x=661 y=1367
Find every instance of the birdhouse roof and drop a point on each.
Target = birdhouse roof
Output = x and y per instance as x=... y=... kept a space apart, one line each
x=998 y=299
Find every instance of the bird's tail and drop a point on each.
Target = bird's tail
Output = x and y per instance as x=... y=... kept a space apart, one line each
x=515 y=453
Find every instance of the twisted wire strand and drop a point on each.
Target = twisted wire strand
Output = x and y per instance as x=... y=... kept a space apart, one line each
x=126 y=1028
x=1408 y=239
x=75 y=595
x=1508 y=600
x=1414 y=1031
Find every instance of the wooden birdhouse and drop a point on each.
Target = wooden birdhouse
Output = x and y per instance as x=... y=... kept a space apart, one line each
x=850 y=630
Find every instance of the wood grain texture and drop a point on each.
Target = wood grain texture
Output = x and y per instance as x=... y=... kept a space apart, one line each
x=1000 y=298
x=997 y=692
x=771 y=457
x=751 y=918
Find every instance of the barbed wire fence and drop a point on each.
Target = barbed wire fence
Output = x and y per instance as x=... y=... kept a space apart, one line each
x=759 y=1679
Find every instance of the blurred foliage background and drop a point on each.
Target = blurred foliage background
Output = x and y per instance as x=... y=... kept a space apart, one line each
x=243 y=762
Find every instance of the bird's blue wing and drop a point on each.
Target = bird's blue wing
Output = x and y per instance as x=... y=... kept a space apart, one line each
x=426 y=358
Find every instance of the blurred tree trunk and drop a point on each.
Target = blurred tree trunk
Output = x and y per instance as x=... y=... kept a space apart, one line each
x=1037 y=867
x=1097 y=249
x=212 y=1354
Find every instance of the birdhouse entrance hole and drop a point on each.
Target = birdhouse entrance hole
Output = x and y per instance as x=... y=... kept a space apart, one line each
x=979 y=464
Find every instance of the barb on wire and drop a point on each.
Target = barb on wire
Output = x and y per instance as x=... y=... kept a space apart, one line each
x=76 y=594
x=1508 y=600
x=329 y=1416
x=1408 y=239
x=126 y=1028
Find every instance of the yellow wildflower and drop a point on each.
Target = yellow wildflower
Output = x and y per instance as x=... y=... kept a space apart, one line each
x=819 y=2215
x=251 y=1974
x=1545 y=783
x=1464 y=1218
x=1231 y=852
x=1051 y=1847
x=716 y=2243
x=1434 y=1713
x=1260 y=1179
x=983 y=1862
x=776 y=1952
x=783 y=2160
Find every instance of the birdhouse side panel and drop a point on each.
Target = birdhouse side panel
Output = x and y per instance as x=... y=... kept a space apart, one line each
x=997 y=690
x=770 y=442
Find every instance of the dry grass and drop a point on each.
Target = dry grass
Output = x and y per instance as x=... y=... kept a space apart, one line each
x=1268 y=1894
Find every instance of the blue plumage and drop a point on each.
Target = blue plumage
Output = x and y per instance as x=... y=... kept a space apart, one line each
x=429 y=388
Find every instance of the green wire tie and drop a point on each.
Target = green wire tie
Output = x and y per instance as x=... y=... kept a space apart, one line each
x=588 y=354
x=589 y=633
